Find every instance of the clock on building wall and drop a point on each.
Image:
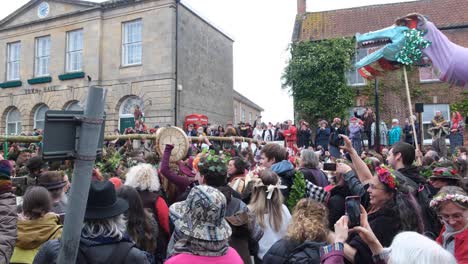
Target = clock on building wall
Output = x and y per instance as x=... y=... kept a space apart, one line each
x=43 y=10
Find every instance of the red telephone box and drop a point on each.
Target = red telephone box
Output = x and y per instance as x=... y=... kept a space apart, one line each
x=196 y=120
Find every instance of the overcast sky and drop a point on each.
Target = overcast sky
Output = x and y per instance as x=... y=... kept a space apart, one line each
x=262 y=32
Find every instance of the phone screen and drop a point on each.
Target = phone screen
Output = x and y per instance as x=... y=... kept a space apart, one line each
x=328 y=166
x=353 y=211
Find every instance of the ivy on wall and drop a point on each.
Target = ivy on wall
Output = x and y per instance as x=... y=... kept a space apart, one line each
x=315 y=77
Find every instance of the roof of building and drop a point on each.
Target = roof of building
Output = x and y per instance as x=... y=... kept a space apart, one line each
x=238 y=96
x=347 y=22
x=88 y=5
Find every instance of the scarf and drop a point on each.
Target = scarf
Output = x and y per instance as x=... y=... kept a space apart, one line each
x=448 y=237
x=456 y=120
x=5 y=186
x=193 y=246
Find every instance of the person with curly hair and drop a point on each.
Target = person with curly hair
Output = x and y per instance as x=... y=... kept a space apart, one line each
x=307 y=232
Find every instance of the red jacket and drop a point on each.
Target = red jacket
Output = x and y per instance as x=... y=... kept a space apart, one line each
x=291 y=134
x=461 y=245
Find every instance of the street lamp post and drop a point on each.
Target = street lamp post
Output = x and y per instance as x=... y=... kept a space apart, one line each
x=377 y=117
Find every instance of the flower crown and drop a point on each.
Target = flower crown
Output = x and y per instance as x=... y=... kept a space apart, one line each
x=460 y=198
x=448 y=172
x=387 y=177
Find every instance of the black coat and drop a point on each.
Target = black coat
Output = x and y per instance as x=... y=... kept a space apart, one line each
x=386 y=224
x=289 y=251
x=303 y=138
x=336 y=204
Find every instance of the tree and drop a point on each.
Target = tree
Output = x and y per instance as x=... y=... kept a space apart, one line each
x=315 y=77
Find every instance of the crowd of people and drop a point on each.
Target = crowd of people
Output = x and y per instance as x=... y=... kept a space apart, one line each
x=328 y=200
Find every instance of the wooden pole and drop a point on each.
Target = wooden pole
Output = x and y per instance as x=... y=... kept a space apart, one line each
x=415 y=135
x=35 y=139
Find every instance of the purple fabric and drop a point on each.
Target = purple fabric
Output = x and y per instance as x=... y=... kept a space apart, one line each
x=450 y=58
x=354 y=131
x=180 y=181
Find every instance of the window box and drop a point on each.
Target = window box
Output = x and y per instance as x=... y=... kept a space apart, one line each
x=71 y=75
x=40 y=80
x=11 y=84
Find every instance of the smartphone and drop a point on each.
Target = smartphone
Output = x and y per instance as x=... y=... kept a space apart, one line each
x=353 y=211
x=328 y=166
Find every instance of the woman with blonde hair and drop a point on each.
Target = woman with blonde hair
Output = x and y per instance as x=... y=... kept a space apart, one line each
x=307 y=232
x=267 y=205
x=144 y=178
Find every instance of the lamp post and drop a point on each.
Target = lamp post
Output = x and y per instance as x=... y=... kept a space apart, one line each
x=377 y=117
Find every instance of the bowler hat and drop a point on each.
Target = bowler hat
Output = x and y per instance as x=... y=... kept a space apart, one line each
x=103 y=202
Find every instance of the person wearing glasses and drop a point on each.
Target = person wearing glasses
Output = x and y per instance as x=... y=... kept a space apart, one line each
x=451 y=204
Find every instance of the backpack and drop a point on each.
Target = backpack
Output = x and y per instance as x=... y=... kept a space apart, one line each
x=306 y=253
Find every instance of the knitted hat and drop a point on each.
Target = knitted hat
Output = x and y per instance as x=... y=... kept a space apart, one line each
x=5 y=169
x=5 y=173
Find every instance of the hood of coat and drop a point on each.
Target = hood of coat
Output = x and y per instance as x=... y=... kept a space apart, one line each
x=33 y=233
x=282 y=166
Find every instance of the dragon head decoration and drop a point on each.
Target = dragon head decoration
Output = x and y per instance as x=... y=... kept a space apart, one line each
x=413 y=40
x=389 y=43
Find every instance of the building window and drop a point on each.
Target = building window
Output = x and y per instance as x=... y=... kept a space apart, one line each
x=13 y=65
x=429 y=74
x=74 y=106
x=250 y=117
x=42 y=56
x=428 y=115
x=131 y=44
x=13 y=122
x=243 y=115
x=74 y=51
x=126 y=117
x=353 y=77
x=39 y=116
x=235 y=115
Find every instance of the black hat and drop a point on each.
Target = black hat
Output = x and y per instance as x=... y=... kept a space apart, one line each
x=103 y=202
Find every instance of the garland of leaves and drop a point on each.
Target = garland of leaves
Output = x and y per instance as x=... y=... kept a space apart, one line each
x=298 y=190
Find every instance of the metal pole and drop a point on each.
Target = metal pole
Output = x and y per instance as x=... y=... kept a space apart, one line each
x=377 y=117
x=86 y=155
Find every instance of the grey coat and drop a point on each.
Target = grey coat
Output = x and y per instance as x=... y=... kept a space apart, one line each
x=8 y=231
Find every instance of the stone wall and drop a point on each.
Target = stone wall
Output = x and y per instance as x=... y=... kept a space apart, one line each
x=205 y=69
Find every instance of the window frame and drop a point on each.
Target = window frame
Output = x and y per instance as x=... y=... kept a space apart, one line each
x=124 y=59
x=36 y=112
x=433 y=74
x=68 y=52
x=355 y=71
x=17 y=124
x=37 y=58
x=427 y=140
x=18 y=61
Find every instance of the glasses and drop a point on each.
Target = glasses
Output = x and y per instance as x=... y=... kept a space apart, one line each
x=454 y=217
x=372 y=187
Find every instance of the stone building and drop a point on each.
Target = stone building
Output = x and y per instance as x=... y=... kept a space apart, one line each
x=450 y=16
x=157 y=54
x=244 y=109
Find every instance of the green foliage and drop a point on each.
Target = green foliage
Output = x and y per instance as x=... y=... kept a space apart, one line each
x=212 y=164
x=315 y=77
x=298 y=190
x=461 y=106
x=109 y=161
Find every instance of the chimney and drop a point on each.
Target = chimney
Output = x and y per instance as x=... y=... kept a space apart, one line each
x=301 y=7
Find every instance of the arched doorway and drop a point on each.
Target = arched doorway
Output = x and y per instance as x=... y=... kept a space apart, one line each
x=13 y=122
x=126 y=110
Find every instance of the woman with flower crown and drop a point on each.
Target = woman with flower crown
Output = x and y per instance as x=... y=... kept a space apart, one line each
x=390 y=206
x=451 y=204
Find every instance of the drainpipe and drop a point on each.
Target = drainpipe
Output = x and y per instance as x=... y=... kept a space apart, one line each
x=176 y=95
